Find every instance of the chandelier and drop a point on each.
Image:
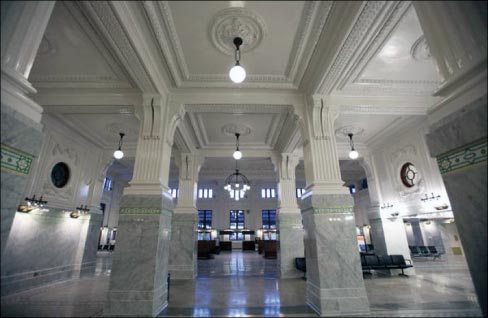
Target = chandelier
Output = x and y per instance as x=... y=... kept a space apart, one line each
x=237 y=184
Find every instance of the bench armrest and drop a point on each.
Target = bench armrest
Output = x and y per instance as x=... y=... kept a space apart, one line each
x=409 y=261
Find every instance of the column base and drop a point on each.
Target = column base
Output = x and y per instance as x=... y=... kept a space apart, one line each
x=335 y=302
x=135 y=303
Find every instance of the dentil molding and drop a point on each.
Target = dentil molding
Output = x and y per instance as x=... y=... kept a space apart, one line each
x=236 y=22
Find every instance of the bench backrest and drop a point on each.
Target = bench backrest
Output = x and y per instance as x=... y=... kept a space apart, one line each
x=398 y=260
x=424 y=250
x=371 y=260
x=386 y=260
x=432 y=249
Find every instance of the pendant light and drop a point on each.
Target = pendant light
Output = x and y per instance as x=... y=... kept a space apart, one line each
x=237 y=154
x=353 y=154
x=237 y=73
x=119 y=154
x=237 y=184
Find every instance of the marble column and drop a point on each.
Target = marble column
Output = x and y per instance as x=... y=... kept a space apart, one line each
x=335 y=285
x=289 y=220
x=138 y=282
x=459 y=143
x=23 y=25
x=183 y=246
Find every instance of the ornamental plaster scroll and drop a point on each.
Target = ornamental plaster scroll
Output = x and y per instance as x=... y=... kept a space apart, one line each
x=287 y=166
x=236 y=22
x=323 y=118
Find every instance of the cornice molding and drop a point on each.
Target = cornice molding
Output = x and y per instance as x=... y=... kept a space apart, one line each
x=237 y=108
x=101 y=14
x=359 y=36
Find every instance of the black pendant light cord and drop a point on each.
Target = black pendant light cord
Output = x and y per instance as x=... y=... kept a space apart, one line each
x=350 y=141
x=120 y=141
x=237 y=43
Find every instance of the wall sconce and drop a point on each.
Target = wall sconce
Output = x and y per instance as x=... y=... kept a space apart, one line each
x=82 y=209
x=35 y=202
x=394 y=214
x=75 y=214
x=427 y=222
x=432 y=197
x=387 y=205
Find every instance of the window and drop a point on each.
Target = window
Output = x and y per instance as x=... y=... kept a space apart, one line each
x=352 y=189
x=300 y=192
x=236 y=223
x=205 y=193
x=269 y=219
x=174 y=192
x=267 y=193
x=204 y=219
x=107 y=184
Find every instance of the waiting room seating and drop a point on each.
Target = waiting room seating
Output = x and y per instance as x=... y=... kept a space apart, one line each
x=425 y=251
x=301 y=265
x=248 y=246
x=225 y=245
x=204 y=250
x=270 y=249
x=384 y=262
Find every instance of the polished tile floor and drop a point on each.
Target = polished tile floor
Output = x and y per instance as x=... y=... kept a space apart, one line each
x=245 y=284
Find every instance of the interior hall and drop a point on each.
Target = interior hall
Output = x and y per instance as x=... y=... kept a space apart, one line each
x=244 y=158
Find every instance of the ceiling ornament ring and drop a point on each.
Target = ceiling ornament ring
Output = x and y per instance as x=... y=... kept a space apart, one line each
x=343 y=132
x=420 y=50
x=47 y=47
x=232 y=129
x=236 y=22
x=116 y=128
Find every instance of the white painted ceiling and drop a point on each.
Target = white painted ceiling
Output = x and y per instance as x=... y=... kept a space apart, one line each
x=74 y=55
x=192 y=20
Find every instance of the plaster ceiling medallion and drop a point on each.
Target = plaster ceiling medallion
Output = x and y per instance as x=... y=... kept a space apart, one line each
x=232 y=129
x=116 y=128
x=343 y=132
x=46 y=48
x=420 y=50
x=236 y=22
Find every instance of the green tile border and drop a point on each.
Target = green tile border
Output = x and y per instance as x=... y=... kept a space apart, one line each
x=14 y=160
x=331 y=210
x=462 y=157
x=145 y=211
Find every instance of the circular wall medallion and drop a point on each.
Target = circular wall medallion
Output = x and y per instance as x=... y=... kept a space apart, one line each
x=236 y=22
x=232 y=129
x=60 y=175
x=409 y=175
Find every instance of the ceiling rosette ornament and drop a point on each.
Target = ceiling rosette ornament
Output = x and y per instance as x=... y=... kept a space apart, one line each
x=420 y=50
x=232 y=129
x=343 y=132
x=236 y=22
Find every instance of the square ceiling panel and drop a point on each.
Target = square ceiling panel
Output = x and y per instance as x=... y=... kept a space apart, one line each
x=194 y=22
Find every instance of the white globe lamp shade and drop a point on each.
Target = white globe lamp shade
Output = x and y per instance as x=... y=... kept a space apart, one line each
x=118 y=154
x=237 y=155
x=353 y=154
x=237 y=74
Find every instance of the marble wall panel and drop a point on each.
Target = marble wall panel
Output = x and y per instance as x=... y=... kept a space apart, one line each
x=19 y=133
x=44 y=247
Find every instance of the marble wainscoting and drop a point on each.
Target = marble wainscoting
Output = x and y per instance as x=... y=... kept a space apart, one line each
x=138 y=281
x=290 y=243
x=47 y=246
x=459 y=143
x=335 y=285
x=21 y=141
x=183 y=247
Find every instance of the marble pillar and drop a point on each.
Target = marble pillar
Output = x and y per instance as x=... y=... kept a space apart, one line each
x=289 y=220
x=183 y=251
x=138 y=282
x=459 y=142
x=23 y=25
x=335 y=284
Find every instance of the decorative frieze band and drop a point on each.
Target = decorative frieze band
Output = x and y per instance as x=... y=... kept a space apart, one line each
x=331 y=210
x=463 y=157
x=147 y=211
x=13 y=160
